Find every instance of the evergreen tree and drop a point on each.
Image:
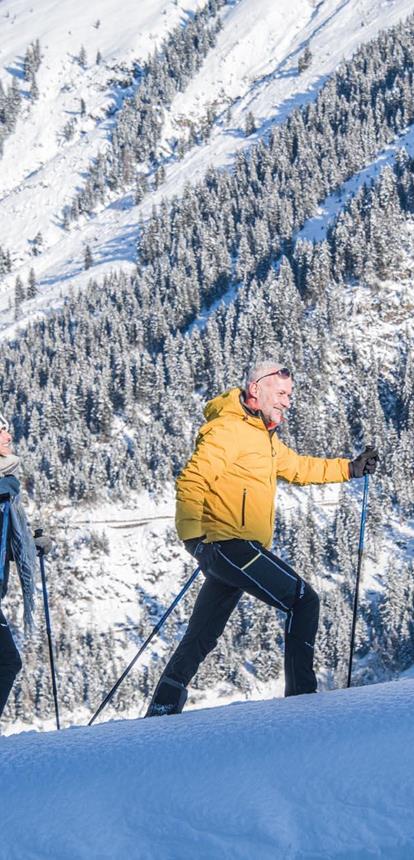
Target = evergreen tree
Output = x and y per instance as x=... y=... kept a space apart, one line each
x=305 y=60
x=88 y=259
x=13 y=105
x=141 y=187
x=69 y=129
x=32 y=285
x=250 y=124
x=28 y=64
x=37 y=244
x=37 y=54
x=34 y=90
x=159 y=176
x=82 y=58
x=19 y=297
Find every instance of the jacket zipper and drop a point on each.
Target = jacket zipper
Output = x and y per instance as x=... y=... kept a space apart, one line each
x=243 y=516
x=271 y=474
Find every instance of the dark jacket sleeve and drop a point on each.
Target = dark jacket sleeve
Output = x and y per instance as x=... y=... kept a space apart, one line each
x=9 y=485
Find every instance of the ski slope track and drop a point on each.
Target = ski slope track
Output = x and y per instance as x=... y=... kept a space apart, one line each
x=322 y=776
x=252 y=68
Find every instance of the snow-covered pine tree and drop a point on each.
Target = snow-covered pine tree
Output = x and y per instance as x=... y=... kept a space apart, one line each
x=31 y=285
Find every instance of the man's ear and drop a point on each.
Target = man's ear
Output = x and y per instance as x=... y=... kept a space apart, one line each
x=252 y=391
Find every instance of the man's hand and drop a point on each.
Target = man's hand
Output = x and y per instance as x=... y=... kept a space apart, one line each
x=43 y=543
x=364 y=464
x=204 y=553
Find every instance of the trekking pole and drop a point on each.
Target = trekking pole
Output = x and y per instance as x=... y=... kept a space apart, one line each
x=360 y=555
x=154 y=632
x=5 y=505
x=41 y=555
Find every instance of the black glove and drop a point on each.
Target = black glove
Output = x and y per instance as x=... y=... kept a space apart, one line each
x=364 y=464
x=43 y=543
x=204 y=553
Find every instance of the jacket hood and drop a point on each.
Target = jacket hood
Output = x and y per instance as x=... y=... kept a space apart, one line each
x=229 y=403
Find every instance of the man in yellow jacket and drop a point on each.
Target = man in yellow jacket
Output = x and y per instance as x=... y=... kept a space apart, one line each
x=225 y=516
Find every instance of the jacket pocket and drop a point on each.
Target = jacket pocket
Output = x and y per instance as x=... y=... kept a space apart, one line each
x=243 y=510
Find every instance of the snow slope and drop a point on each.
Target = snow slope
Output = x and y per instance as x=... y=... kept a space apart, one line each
x=62 y=29
x=323 y=776
x=252 y=68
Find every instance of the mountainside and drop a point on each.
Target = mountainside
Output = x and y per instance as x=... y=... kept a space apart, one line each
x=318 y=776
x=183 y=191
x=253 y=68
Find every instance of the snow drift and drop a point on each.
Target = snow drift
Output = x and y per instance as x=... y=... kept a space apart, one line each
x=320 y=776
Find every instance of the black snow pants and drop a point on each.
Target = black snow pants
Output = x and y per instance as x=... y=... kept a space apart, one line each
x=245 y=566
x=10 y=662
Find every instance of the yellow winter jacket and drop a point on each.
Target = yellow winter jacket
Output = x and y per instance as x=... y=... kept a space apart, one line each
x=227 y=489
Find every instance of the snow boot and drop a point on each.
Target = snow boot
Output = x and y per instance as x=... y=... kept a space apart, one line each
x=169 y=698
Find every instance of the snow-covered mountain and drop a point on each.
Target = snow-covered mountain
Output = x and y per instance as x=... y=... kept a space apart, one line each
x=251 y=69
x=118 y=563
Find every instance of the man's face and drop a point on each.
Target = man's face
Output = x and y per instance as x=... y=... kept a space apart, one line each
x=5 y=442
x=272 y=395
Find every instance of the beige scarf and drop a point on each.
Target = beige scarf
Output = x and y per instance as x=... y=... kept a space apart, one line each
x=9 y=465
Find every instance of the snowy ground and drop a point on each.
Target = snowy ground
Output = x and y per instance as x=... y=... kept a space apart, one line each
x=324 y=776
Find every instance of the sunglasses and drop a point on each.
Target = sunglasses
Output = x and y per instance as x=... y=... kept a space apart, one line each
x=284 y=373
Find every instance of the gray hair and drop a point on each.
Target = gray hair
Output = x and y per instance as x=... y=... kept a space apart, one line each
x=260 y=368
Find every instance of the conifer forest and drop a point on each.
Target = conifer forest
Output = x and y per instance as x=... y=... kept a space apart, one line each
x=104 y=384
